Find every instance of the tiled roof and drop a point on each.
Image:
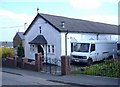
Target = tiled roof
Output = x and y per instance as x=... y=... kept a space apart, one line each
x=21 y=35
x=76 y=25
x=39 y=40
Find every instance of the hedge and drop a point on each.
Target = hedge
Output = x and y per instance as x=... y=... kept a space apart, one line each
x=6 y=52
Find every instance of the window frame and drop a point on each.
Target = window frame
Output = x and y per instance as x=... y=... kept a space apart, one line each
x=118 y=46
x=48 y=48
x=91 y=50
x=53 y=48
x=32 y=47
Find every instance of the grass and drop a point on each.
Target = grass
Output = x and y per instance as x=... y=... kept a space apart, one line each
x=109 y=68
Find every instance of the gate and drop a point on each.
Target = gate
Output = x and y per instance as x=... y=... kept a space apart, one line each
x=52 y=66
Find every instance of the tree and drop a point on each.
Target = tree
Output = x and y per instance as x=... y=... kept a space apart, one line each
x=20 y=51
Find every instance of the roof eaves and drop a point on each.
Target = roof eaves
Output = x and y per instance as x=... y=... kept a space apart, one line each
x=38 y=15
x=88 y=32
x=31 y=24
x=50 y=23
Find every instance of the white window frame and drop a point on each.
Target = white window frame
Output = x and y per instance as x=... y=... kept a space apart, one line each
x=48 y=48
x=32 y=47
x=53 y=48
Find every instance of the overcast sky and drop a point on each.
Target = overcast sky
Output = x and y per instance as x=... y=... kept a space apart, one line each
x=14 y=13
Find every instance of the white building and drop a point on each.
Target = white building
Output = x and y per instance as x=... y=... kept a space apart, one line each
x=51 y=34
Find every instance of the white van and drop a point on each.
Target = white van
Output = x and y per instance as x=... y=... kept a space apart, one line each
x=93 y=50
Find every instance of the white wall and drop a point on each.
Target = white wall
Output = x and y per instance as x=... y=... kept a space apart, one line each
x=82 y=36
x=51 y=35
x=57 y=39
x=108 y=37
x=72 y=37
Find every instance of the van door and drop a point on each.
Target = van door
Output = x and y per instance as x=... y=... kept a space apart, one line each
x=93 y=52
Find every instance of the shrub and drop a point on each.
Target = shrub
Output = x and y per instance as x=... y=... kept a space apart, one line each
x=20 y=51
x=0 y=52
x=6 y=52
x=109 y=68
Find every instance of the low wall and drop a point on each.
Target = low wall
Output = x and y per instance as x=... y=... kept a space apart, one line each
x=9 y=62
x=34 y=65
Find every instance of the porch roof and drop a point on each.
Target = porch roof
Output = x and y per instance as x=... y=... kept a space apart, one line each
x=40 y=39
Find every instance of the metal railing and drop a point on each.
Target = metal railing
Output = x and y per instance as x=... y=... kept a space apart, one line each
x=52 y=66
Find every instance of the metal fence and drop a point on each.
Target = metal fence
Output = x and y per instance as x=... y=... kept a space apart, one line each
x=52 y=66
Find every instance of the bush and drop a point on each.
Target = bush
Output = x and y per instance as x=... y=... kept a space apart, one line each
x=109 y=68
x=6 y=52
x=20 y=51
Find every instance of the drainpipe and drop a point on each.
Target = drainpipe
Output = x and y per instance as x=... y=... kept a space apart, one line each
x=46 y=54
x=97 y=36
x=66 y=43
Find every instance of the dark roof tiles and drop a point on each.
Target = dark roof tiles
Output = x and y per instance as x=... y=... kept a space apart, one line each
x=77 y=25
x=39 y=40
x=21 y=35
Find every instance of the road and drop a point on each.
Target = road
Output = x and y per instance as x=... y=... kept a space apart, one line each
x=14 y=79
x=18 y=79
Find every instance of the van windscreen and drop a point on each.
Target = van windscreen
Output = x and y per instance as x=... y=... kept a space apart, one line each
x=82 y=47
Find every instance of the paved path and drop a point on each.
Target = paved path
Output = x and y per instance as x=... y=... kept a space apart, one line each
x=78 y=80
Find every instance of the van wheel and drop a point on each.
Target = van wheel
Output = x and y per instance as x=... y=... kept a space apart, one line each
x=89 y=62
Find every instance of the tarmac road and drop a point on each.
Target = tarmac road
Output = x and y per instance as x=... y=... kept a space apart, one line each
x=26 y=77
x=18 y=80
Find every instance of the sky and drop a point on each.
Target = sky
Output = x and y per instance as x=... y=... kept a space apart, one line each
x=16 y=15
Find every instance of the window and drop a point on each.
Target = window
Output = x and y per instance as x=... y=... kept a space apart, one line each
x=53 y=49
x=71 y=47
x=92 y=47
x=118 y=46
x=31 y=47
x=48 y=48
x=82 y=47
x=40 y=29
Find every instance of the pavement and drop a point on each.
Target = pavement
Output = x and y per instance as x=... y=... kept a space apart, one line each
x=75 y=80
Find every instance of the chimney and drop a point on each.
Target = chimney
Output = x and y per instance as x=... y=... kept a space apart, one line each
x=63 y=24
x=37 y=10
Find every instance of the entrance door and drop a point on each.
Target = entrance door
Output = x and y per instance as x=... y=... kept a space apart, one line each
x=40 y=49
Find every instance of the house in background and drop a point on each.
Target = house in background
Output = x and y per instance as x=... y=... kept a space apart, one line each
x=17 y=40
x=7 y=44
x=52 y=34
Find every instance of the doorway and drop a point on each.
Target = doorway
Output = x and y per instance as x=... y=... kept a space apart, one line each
x=40 y=49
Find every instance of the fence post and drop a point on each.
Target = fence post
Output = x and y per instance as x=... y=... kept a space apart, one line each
x=15 y=61
x=38 y=61
x=65 y=65
x=40 y=58
x=23 y=61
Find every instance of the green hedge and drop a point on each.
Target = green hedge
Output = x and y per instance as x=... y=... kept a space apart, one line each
x=20 y=51
x=109 y=68
x=6 y=52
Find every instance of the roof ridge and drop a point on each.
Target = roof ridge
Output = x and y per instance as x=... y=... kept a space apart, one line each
x=77 y=19
x=75 y=25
